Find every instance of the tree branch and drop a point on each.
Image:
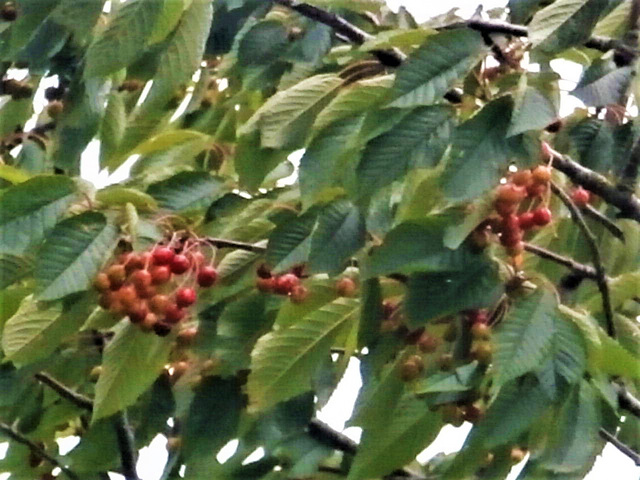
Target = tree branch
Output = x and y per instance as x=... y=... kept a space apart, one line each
x=64 y=391
x=584 y=271
x=627 y=401
x=629 y=452
x=626 y=202
x=601 y=278
x=603 y=220
x=124 y=433
x=126 y=444
x=36 y=449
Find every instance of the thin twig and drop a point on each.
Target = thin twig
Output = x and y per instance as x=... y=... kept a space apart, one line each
x=36 y=449
x=628 y=451
x=626 y=202
x=603 y=220
x=222 y=243
x=601 y=279
x=627 y=401
x=65 y=392
x=585 y=271
x=126 y=444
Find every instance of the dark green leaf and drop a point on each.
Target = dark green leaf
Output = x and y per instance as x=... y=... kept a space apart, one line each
x=604 y=83
x=186 y=191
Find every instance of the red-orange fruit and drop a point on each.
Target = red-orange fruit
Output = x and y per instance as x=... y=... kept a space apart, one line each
x=285 y=283
x=525 y=220
x=174 y=314
x=141 y=278
x=128 y=296
x=542 y=216
x=160 y=274
x=159 y=303
x=428 y=343
x=266 y=284
x=138 y=312
x=180 y=264
x=541 y=174
x=522 y=178
x=298 y=294
x=162 y=255
x=346 y=287
x=510 y=193
x=581 y=197
x=117 y=275
x=102 y=282
x=207 y=276
x=480 y=331
x=185 y=297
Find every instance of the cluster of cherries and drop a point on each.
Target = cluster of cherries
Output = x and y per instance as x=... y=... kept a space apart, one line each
x=290 y=284
x=144 y=286
x=521 y=185
x=480 y=329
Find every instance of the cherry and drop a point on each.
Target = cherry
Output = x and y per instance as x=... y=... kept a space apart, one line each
x=146 y=292
x=185 y=297
x=525 y=220
x=285 y=283
x=197 y=258
x=515 y=250
x=180 y=264
x=179 y=369
x=522 y=178
x=505 y=208
x=541 y=174
x=511 y=238
x=478 y=316
x=117 y=275
x=174 y=314
x=472 y=413
x=346 y=287
x=138 y=312
x=128 y=295
x=149 y=322
x=510 y=193
x=159 y=303
x=445 y=361
x=266 y=284
x=510 y=225
x=162 y=255
x=298 y=294
x=160 y=274
x=482 y=352
x=411 y=368
x=207 y=276
x=480 y=331
x=428 y=343
x=106 y=300
x=536 y=190
x=581 y=197
x=542 y=216
x=141 y=279
x=388 y=309
x=8 y=12
x=135 y=262
x=102 y=282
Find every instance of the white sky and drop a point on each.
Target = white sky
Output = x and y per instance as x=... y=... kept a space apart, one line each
x=613 y=464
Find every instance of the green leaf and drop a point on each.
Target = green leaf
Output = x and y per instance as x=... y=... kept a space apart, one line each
x=390 y=445
x=286 y=118
x=525 y=336
x=340 y=233
x=13 y=174
x=575 y=441
x=132 y=361
x=168 y=20
x=565 y=23
x=461 y=380
x=533 y=110
x=354 y=5
x=36 y=330
x=321 y=292
x=437 y=294
x=186 y=191
x=117 y=196
x=388 y=157
x=357 y=97
x=217 y=402
x=112 y=131
x=290 y=243
x=325 y=162
x=594 y=143
x=184 y=52
x=14 y=268
x=284 y=361
x=263 y=43
x=418 y=246
x=72 y=254
x=371 y=314
x=436 y=66
x=604 y=83
x=616 y=23
x=253 y=163
x=119 y=44
x=31 y=208
x=480 y=151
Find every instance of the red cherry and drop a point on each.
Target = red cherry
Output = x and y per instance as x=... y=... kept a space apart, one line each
x=286 y=283
x=522 y=178
x=146 y=292
x=510 y=224
x=185 y=297
x=197 y=258
x=102 y=282
x=581 y=197
x=180 y=264
x=542 y=216
x=505 y=208
x=174 y=314
x=478 y=316
x=207 y=276
x=346 y=287
x=515 y=250
x=541 y=174
x=536 y=190
x=263 y=271
x=511 y=238
x=298 y=294
x=160 y=274
x=127 y=295
x=525 y=220
x=141 y=279
x=138 y=312
x=266 y=284
x=135 y=262
x=162 y=255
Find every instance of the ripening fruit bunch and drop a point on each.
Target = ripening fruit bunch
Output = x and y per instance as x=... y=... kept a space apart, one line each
x=523 y=187
x=287 y=284
x=155 y=288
